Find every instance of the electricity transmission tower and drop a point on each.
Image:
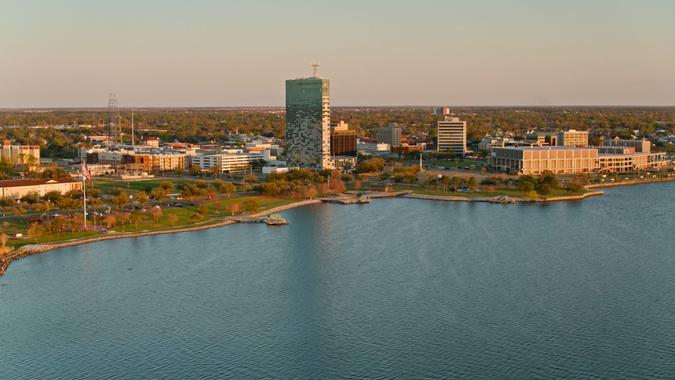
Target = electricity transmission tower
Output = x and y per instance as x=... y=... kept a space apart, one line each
x=114 y=121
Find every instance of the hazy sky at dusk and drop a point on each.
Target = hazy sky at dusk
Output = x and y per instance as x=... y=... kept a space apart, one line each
x=61 y=53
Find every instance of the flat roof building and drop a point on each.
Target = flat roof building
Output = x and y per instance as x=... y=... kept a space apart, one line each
x=573 y=137
x=17 y=188
x=451 y=136
x=391 y=134
x=308 y=123
x=537 y=160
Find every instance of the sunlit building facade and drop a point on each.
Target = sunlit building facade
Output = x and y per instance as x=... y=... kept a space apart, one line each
x=308 y=123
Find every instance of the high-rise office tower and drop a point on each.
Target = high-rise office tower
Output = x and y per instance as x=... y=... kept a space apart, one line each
x=308 y=123
x=452 y=136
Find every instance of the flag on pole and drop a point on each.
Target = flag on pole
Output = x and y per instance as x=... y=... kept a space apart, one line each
x=86 y=173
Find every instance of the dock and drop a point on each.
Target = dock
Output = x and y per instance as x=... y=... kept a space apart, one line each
x=271 y=220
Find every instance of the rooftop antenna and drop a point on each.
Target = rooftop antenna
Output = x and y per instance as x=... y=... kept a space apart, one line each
x=315 y=70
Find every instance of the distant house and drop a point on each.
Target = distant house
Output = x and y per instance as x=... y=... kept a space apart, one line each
x=17 y=188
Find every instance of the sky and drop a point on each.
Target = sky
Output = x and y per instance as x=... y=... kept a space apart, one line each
x=231 y=53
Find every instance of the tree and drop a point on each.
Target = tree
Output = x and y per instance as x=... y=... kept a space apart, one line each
x=109 y=220
x=172 y=219
x=544 y=189
x=250 y=178
x=195 y=170
x=136 y=217
x=337 y=185
x=311 y=192
x=32 y=197
x=166 y=186
x=228 y=188
x=156 y=213
x=120 y=200
x=35 y=231
x=473 y=184
x=3 y=242
x=370 y=165
x=159 y=194
x=196 y=217
x=250 y=205
x=234 y=208
x=53 y=196
x=142 y=198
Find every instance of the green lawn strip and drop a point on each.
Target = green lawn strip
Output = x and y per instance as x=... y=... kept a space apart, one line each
x=497 y=192
x=109 y=186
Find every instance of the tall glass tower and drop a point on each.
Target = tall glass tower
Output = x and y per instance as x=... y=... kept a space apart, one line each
x=308 y=123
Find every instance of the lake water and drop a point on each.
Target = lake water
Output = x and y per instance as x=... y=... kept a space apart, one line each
x=397 y=288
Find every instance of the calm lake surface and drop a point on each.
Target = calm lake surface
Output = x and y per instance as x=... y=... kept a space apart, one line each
x=397 y=288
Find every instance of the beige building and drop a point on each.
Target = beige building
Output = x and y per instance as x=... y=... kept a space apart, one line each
x=17 y=188
x=573 y=137
x=622 y=163
x=536 y=160
x=573 y=160
x=226 y=163
x=451 y=136
x=20 y=154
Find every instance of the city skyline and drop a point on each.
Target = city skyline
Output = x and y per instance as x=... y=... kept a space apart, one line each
x=485 y=53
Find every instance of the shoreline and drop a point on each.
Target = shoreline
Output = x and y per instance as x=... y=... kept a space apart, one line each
x=34 y=249
x=500 y=200
x=630 y=183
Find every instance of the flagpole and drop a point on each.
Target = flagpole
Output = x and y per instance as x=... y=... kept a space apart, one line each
x=84 y=193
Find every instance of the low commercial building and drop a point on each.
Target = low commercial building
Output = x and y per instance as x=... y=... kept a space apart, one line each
x=624 y=163
x=537 y=160
x=226 y=163
x=573 y=160
x=20 y=154
x=373 y=148
x=17 y=188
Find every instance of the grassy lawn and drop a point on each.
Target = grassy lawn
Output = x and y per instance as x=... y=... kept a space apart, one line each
x=509 y=192
x=216 y=210
x=109 y=185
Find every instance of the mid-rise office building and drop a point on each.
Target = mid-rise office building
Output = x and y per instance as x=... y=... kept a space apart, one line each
x=573 y=137
x=308 y=123
x=342 y=140
x=391 y=134
x=451 y=136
